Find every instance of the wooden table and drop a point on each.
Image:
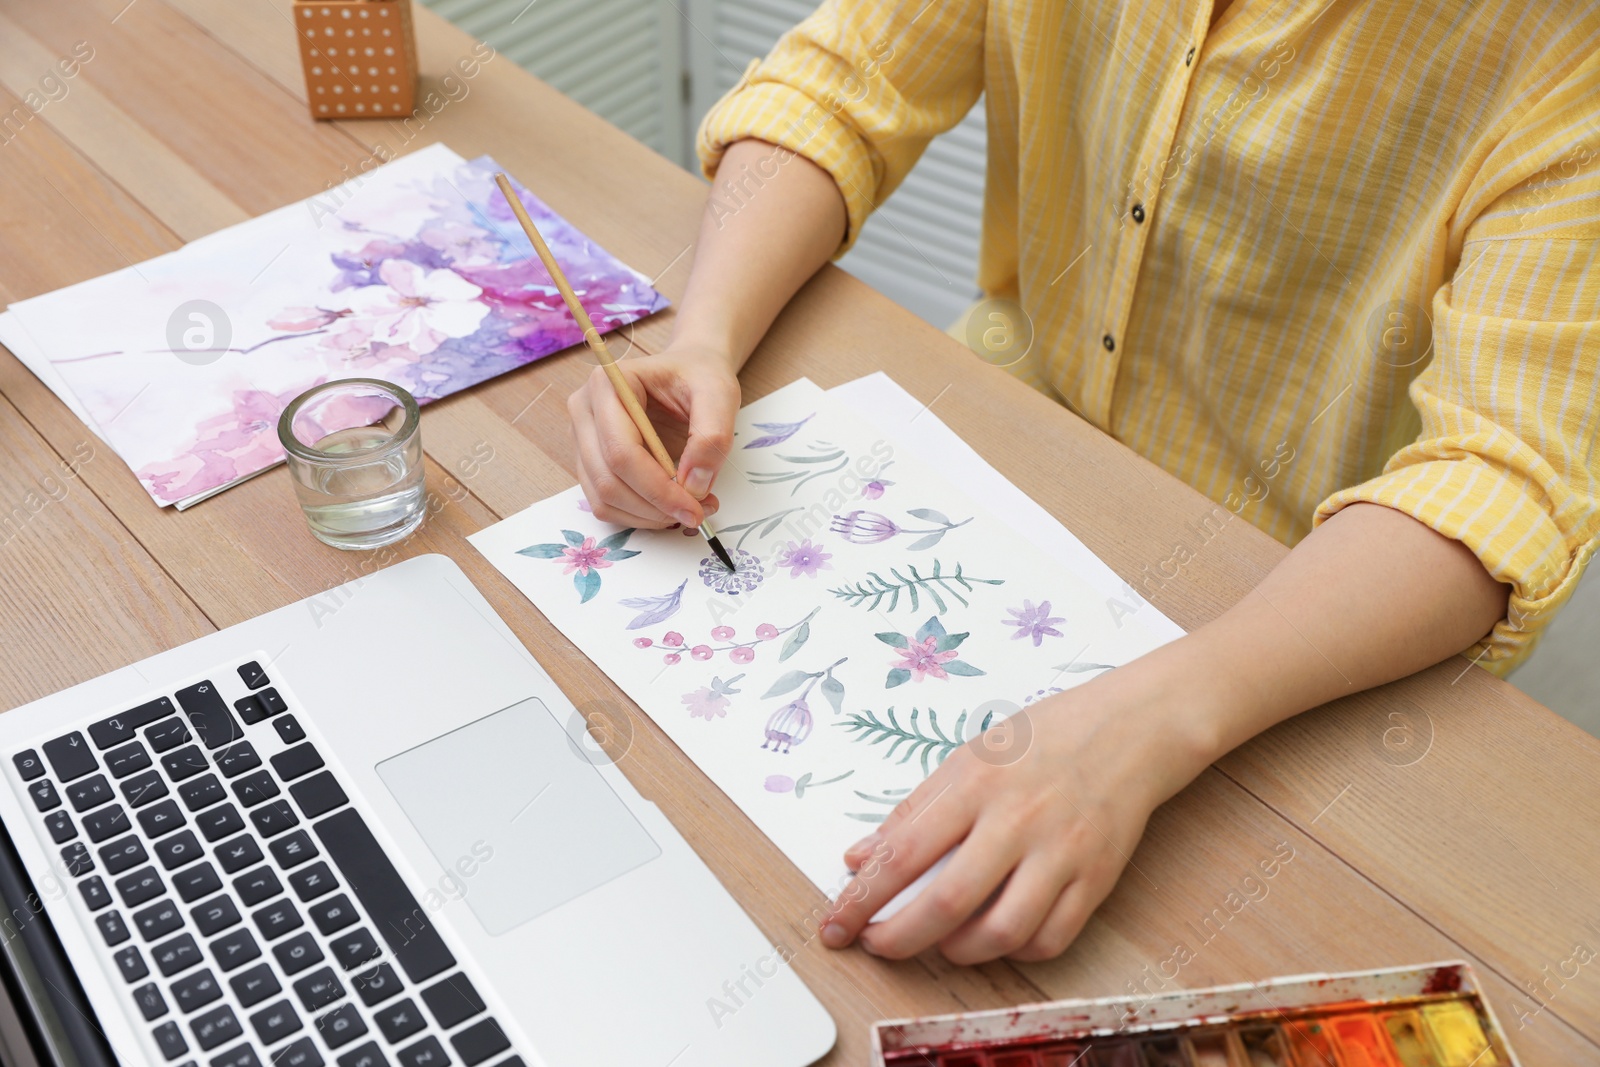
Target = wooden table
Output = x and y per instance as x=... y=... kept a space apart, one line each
x=1469 y=833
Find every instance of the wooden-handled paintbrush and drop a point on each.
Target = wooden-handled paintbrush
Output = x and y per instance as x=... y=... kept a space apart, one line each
x=597 y=344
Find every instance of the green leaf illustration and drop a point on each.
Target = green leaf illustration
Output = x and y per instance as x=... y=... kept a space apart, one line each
x=796 y=640
x=929 y=746
x=541 y=551
x=574 y=538
x=617 y=540
x=897 y=640
x=789 y=682
x=587 y=584
x=898 y=676
x=966 y=670
x=875 y=591
x=833 y=689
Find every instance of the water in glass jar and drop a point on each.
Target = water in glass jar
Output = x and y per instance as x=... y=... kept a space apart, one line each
x=367 y=505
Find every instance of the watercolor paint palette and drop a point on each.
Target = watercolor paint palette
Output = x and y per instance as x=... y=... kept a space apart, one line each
x=1434 y=1015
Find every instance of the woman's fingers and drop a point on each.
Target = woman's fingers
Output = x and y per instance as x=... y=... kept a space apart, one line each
x=1065 y=920
x=1017 y=917
x=606 y=512
x=978 y=867
x=611 y=499
x=621 y=453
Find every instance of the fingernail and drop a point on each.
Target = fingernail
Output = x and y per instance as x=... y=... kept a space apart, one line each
x=687 y=518
x=699 y=482
x=866 y=844
x=835 y=936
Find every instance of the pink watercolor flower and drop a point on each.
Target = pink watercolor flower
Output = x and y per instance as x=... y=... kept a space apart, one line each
x=722 y=633
x=711 y=701
x=459 y=242
x=742 y=654
x=874 y=489
x=673 y=638
x=585 y=557
x=670 y=658
x=779 y=783
x=923 y=659
x=701 y=652
x=805 y=558
x=766 y=631
x=418 y=308
x=642 y=642
x=301 y=319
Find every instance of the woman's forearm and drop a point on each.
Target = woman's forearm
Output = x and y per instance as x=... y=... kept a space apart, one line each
x=772 y=218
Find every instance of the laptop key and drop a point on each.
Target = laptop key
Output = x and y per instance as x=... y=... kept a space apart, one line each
x=368 y=1055
x=256 y=788
x=95 y=894
x=192 y=883
x=294 y=762
x=140 y=886
x=399 y=1021
x=237 y=854
x=425 y=1053
x=186 y=762
x=252 y=675
x=220 y=821
x=319 y=989
x=143 y=788
x=480 y=1041
x=179 y=849
x=318 y=794
x=377 y=985
x=29 y=766
x=237 y=1056
x=235 y=949
x=88 y=793
x=215 y=1027
x=289 y=729
x=130 y=961
x=300 y=1052
x=314 y=881
x=249 y=710
x=274 y=818
x=341 y=1026
x=178 y=954
x=158 y=920
x=151 y=1004
x=333 y=914
x=291 y=850
x=237 y=758
x=112 y=928
x=44 y=795
x=123 y=761
x=208 y=713
x=257 y=885
x=59 y=823
x=276 y=1022
x=120 y=728
x=70 y=756
x=123 y=854
x=196 y=990
x=215 y=915
x=162 y=818
x=77 y=860
x=367 y=870
x=170 y=1040
x=297 y=953
x=202 y=792
x=165 y=736
x=354 y=949
x=272 y=701
x=106 y=822
x=452 y=1001
x=255 y=985
x=277 y=919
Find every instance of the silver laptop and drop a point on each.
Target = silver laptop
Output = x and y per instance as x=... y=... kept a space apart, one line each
x=368 y=829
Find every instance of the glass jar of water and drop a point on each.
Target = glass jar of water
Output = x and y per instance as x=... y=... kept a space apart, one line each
x=354 y=451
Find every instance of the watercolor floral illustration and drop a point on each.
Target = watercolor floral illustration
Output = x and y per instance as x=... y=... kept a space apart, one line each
x=782 y=783
x=930 y=744
x=425 y=280
x=871 y=528
x=871 y=592
x=711 y=701
x=1033 y=621
x=929 y=653
x=584 y=558
x=792 y=722
x=875 y=487
x=887 y=799
x=776 y=433
x=801 y=470
x=655 y=609
x=804 y=558
x=798 y=633
x=748 y=573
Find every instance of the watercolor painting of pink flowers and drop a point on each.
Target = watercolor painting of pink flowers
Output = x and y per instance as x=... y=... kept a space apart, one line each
x=711 y=701
x=584 y=558
x=739 y=651
x=804 y=558
x=930 y=653
x=1034 y=622
x=415 y=272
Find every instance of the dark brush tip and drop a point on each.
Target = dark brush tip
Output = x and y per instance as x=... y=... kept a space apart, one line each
x=722 y=553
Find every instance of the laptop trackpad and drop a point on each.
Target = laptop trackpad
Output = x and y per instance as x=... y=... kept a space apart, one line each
x=516 y=815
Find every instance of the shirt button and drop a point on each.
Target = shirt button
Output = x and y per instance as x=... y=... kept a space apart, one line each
x=1111 y=345
x=1189 y=57
x=1137 y=213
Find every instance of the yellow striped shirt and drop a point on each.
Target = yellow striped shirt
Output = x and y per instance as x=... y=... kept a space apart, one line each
x=1317 y=253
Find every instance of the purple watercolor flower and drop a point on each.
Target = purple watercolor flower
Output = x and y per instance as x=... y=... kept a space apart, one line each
x=873 y=490
x=788 y=726
x=585 y=557
x=711 y=701
x=805 y=558
x=779 y=783
x=1034 y=622
x=746 y=575
x=864 y=527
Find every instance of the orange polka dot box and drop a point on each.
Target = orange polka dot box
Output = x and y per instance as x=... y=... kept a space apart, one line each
x=360 y=57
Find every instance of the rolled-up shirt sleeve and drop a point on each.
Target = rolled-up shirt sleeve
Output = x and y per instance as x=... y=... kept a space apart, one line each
x=1506 y=461
x=858 y=88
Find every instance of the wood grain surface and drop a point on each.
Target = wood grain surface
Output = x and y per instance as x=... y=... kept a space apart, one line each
x=1445 y=816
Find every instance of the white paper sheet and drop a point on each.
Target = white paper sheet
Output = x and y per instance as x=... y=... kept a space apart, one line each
x=879 y=614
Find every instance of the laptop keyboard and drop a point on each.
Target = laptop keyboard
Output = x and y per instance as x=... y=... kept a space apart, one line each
x=253 y=917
